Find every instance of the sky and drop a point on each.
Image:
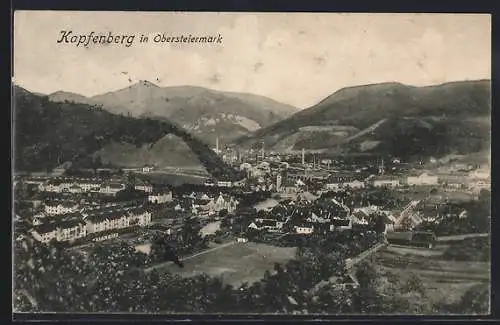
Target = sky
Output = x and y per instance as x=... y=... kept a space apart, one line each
x=294 y=58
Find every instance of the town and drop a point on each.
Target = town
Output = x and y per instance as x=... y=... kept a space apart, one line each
x=285 y=204
x=70 y=209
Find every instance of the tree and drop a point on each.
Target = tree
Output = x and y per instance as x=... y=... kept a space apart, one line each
x=476 y=300
x=380 y=223
x=191 y=232
x=131 y=180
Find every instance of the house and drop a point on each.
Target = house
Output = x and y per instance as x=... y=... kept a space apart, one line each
x=114 y=217
x=143 y=186
x=160 y=197
x=108 y=221
x=266 y=205
x=340 y=180
x=266 y=224
x=241 y=240
x=289 y=190
x=224 y=183
x=225 y=203
x=75 y=189
x=479 y=185
x=305 y=228
x=57 y=207
x=386 y=181
x=70 y=230
x=88 y=185
x=111 y=188
x=51 y=186
x=105 y=235
x=339 y=223
x=45 y=232
x=65 y=184
x=481 y=173
x=147 y=169
x=423 y=179
x=239 y=183
x=355 y=184
x=306 y=197
x=139 y=216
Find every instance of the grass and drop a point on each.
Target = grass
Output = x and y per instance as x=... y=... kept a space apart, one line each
x=235 y=264
x=444 y=281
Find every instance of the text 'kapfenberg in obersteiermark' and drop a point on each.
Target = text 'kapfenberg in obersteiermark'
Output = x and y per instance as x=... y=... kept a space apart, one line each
x=127 y=40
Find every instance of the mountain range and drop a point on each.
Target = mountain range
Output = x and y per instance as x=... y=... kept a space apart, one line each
x=388 y=118
x=206 y=113
x=132 y=127
x=49 y=134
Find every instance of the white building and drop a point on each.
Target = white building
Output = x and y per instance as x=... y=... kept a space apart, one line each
x=89 y=185
x=224 y=183
x=160 y=198
x=71 y=230
x=140 y=216
x=111 y=188
x=57 y=208
x=75 y=189
x=355 y=184
x=423 y=179
x=148 y=188
x=304 y=229
x=386 y=181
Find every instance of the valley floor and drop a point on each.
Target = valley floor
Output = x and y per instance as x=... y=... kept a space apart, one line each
x=443 y=281
x=235 y=263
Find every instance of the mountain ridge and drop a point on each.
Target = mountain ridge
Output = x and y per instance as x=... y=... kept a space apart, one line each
x=365 y=105
x=201 y=110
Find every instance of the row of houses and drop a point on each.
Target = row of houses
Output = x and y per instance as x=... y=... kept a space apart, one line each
x=55 y=207
x=77 y=225
x=424 y=179
x=70 y=185
x=305 y=218
x=201 y=204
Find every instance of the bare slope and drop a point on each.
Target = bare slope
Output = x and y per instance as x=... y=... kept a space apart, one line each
x=206 y=113
x=435 y=119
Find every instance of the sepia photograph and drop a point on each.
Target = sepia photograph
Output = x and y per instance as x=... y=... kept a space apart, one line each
x=175 y=163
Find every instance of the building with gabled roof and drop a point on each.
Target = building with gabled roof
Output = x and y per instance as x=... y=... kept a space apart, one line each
x=60 y=207
x=45 y=232
x=111 y=188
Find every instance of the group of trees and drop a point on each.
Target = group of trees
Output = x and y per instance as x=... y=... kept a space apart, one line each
x=112 y=279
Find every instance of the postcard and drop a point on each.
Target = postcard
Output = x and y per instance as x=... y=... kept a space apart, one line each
x=251 y=163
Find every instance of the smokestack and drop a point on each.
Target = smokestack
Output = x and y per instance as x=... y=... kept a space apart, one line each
x=217 y=145
x=262 y=151
x=303 y=156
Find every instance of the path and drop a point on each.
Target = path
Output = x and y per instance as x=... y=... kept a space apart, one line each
x=349 y=265
x=350 y=262
x=192 y=256
x=461 y=237
x=32 y=300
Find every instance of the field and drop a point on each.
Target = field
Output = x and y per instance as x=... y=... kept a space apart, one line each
x=235 y=263
x=443 y=280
